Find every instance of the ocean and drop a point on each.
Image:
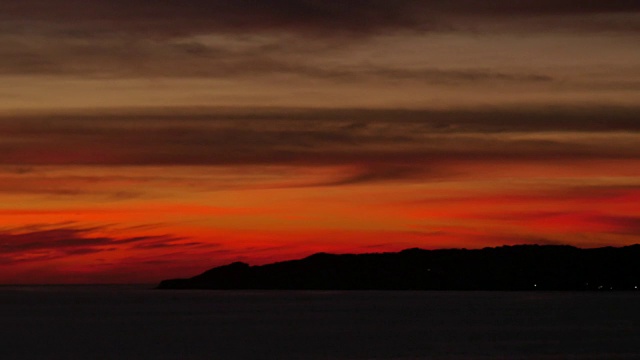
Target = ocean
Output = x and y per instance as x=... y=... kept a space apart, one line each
x=138 y=322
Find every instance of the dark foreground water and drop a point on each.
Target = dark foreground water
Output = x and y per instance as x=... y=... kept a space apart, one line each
x=133 y=322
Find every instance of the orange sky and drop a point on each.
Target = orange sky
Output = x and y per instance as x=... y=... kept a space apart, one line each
x=140 y=142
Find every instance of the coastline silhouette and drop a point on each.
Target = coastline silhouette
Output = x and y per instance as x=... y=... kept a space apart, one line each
x=520 y=267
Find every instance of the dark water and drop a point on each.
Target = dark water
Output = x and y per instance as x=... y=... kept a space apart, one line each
x=133 y=322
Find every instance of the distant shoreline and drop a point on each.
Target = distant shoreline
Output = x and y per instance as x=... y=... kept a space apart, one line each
x=506 y=268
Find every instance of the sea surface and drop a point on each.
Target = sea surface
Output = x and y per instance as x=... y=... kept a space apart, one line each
x=137 y=322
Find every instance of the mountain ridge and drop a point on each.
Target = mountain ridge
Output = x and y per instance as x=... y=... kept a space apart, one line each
x=516 y=267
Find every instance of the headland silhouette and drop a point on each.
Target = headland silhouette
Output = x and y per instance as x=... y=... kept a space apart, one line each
x=507 y=268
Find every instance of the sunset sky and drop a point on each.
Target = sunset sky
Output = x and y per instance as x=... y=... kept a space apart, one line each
x=141 y=140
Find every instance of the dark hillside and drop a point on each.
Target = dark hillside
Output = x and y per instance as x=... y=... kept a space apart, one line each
x=523 y=267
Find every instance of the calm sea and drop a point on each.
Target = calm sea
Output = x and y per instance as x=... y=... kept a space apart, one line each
x=137 y=322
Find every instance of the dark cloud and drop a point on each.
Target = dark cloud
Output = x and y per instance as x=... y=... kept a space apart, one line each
x=164 y=244
x=512 y=239
x=176 y=18
x=525 y=118
x=438 y=76
x=384 y=142
x=38 y=243
x=143 y=39
x=617 y=224
x=384 y=173
x=115 y=57
x=20 y=181
x=629 y=225
x=599 y=196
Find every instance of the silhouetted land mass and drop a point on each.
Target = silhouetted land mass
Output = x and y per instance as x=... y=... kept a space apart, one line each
x=522 y=267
